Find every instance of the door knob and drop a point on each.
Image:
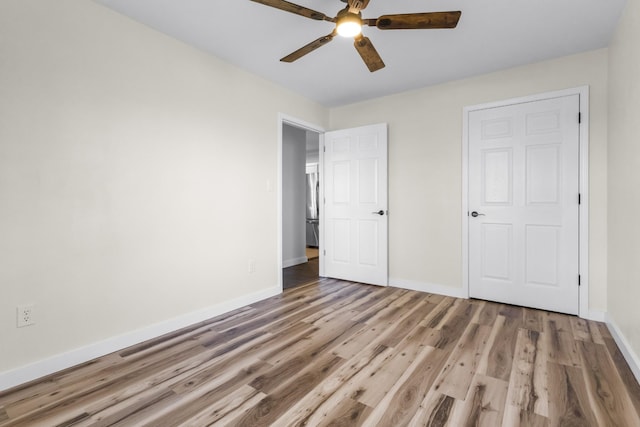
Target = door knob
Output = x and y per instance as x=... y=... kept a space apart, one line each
x=380 y=212
x=476 y=214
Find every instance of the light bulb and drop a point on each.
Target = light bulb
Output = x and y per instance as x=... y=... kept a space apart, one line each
x=349 y=29
x=349 y=25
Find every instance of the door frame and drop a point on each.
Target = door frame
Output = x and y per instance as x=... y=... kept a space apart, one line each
x=583 y=184
x=298 y=123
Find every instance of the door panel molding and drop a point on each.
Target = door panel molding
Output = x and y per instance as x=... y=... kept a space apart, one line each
x=536 y=125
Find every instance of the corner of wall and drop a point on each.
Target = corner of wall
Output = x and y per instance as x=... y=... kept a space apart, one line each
x=633 y=360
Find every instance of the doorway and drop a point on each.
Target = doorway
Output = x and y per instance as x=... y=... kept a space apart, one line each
x=300 y=161
x=352 y=230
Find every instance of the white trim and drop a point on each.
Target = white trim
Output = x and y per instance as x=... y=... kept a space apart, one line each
x=80 y=355
x=294 y=261
x=627 y=351
x=465 y=200
x=321 y=223
x=282 y=120
x=432 y=288
x=583 y=209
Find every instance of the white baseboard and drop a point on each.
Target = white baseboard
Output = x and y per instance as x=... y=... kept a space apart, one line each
x=627 y=351
x=23 y=374
x=431 y=288
x=294 y=261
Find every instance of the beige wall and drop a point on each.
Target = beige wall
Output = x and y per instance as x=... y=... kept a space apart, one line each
x=131 y=167
x=624 y=176
x=425 y=133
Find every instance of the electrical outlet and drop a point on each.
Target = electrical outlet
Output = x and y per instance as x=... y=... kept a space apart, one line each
x=25 y=315
x=252 y=266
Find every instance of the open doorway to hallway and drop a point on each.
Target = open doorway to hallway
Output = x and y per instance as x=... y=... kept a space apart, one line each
x=300 y=205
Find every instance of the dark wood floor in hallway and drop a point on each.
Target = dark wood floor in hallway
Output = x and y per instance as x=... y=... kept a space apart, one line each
x=344 y=354
x=301 y=274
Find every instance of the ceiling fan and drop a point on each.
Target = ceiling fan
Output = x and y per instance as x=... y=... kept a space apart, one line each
x=349 y=23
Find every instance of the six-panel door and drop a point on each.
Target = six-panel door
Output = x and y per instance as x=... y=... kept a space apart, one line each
x=523 y=188
x=356 y=204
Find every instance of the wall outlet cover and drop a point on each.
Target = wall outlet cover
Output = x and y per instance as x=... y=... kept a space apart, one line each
x=25 y=315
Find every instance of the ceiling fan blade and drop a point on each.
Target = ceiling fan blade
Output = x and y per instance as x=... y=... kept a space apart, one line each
x=308 y=48
x=419 y=21
x=297 y=9
x=368 y=53
x=355 y=6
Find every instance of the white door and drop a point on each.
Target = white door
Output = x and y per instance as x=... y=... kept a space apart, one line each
x=355 y=163
x=523 y=204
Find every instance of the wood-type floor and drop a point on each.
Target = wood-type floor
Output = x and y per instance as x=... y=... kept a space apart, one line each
x=334 y=353
x=301 y=274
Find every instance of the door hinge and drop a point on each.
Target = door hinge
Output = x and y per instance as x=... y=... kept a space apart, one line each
x=579 y=198
x=324 y=149
x=324 y=252
x=579 y=280
x=579 y=117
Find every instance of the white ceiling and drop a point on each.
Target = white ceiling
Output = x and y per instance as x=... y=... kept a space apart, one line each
x=491 y=35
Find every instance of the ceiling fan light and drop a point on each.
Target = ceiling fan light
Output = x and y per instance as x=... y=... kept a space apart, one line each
x=349 y=25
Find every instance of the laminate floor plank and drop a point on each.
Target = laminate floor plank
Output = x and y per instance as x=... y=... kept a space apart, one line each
x=610 y=403
x=294 y=387
x=208 y=395
x=527 y=389
x=580 y=328
x=401 y=403
x=631 y=385
x=242 y=397
x=378 y=296
x=561 y=346
x=446 y=309
x=319 y=340
x=434 y=411
x=501 y=349
x=461 y=367
x=451 y=327
x=404 y=355
x=325 y=394
x=484 y=404
x=102 y=395
x=110 y=378
x=181 y=335
x=533 y=320
x=569 y=403
x=353 y=388
x=349 y=413
x=386 y=309
x=336 y=353
x=53 y=384
x=313 y=314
